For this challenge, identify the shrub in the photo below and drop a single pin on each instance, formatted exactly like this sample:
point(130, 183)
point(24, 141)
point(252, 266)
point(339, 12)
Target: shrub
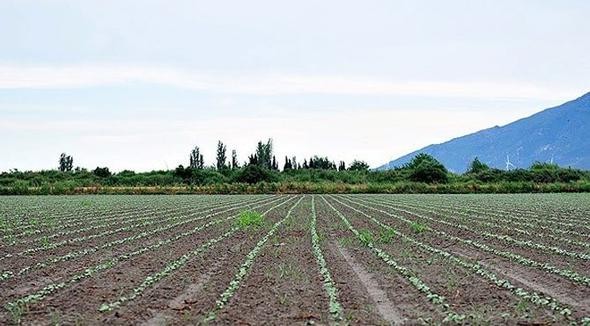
point(254, 174)
point(102, 172)
point(429, 172)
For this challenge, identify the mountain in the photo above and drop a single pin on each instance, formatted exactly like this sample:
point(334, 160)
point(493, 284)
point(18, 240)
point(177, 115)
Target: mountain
point(560, 134)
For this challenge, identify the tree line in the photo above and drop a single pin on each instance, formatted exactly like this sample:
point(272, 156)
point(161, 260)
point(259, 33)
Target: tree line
point(262, 165)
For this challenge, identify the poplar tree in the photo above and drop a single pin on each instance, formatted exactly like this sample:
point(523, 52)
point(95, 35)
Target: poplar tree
point(221, 156)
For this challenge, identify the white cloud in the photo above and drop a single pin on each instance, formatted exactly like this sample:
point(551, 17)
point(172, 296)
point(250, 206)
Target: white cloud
point(77, 76)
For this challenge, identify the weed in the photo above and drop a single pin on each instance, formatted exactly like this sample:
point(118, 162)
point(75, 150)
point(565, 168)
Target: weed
point(44, 241)
point(289, 270)
point(186, 316)
point(16, 312)
point(365, 236)
point(418, 227)
point(249, 219)
point(284, 300)
point(346, 241)
point(387, 235)
point(55, 318)
point(522, 306)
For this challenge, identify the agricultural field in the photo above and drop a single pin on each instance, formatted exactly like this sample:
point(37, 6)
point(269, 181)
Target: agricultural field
point(295, 259)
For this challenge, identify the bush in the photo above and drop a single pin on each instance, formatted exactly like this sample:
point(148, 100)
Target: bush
point(429, 172)
point(477, 166)
point(425, 168)
point(359, 166)
point(254, 174)
point(102, 172)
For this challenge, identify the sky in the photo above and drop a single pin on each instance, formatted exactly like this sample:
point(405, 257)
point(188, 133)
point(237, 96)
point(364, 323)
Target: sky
point(137, 84)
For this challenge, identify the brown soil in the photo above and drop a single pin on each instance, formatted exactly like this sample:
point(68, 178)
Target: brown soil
point(284, 285)
point(529, 278)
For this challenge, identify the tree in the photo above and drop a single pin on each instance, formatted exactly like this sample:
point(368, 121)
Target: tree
point(66, 162)
point(196, 159)
point(102, 172)
point(234, 160)
point(221, 156)
point(184, 173)
point(264, 154)
point(274, 164)
point(341, 166)
point(288, 164)
point(254, 174)
point(359, 166)
point(253, 159)
point(321, 163)
point(425, 168)
point(477, 166)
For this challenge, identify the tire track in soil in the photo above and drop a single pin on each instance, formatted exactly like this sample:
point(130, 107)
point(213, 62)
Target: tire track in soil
point(39, 278)
point(565, 262)
point(234, 248)
point(384, 306)
point(284, 285)
point(465, 291)
point(529, 279)
point(183, 301)
point(408, 302)
point(493, 297)
point(570, 291)
point(81, 302)
point(98, 237)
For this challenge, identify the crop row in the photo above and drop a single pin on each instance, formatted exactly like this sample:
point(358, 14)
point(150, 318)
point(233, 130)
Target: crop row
point(531, 296)
point(502, 223)
point(113, 216)
point(110, 222)
point(548, 213)
point(18, 304)
point(524, 261)
point(505, 238)
point(145, 234)
point(416, 282)
point(138, 223)
point(329, 286)
point(46, 216)
point(246, 266)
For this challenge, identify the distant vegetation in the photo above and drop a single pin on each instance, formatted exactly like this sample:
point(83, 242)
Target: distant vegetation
point(317, 174)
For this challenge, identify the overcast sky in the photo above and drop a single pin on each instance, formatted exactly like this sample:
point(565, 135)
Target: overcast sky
point(137, 84)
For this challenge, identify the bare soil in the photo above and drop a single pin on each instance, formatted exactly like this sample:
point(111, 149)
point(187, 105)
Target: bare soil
point(284, 285)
